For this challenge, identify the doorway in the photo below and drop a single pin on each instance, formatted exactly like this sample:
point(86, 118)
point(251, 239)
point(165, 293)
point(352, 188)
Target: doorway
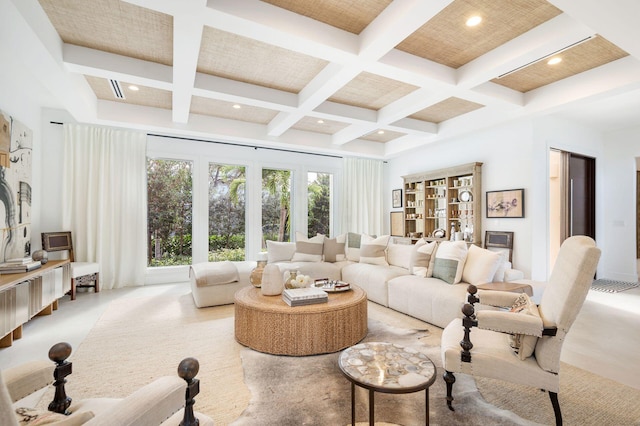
point(572, 198)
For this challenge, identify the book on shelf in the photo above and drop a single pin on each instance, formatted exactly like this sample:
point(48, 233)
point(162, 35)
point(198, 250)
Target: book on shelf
point(19, 260)
point(15, 268)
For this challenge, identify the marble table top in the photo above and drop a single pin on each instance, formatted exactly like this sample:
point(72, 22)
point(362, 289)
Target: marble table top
point(387, 367)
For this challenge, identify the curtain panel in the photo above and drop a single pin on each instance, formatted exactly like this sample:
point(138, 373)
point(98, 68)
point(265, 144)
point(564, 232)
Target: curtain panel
point(105, 201)
point(362, 206)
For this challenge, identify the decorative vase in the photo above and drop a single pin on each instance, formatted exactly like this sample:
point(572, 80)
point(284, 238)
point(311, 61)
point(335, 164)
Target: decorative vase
point(271, 280)
point(256, 275)
point(291, 281)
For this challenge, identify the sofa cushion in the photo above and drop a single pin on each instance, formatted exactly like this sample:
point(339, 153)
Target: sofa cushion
point(399, 254)
point(316, 270)
point(334, 249)
point(480, 265)
point(214, 273)
point(308, 249)
point(422, 256)
point(449, 263)
point(278, 251)
point(373, 250)
point(372, 278)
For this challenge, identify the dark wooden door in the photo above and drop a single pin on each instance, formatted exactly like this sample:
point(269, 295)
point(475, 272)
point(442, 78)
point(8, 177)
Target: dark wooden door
point(582, 195)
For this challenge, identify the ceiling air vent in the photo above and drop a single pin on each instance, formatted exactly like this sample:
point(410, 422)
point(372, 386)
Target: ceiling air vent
point(116, 89)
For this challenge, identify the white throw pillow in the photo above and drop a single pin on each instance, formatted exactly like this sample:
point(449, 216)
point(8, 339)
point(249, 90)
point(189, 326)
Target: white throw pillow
point(308, 249)
point(503, 265)
point(480, 266)
point(373, 250)
point(399, 254)
point(421, 257)
point(353, 246)
point(449, 262)
point(280, 251)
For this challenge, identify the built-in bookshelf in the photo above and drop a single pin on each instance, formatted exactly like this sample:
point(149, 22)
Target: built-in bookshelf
point(439, 201)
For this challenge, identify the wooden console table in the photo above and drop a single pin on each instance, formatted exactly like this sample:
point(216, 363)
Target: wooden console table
point(23, 296)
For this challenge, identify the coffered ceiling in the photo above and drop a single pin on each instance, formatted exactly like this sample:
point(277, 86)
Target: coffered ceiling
point(367, 77)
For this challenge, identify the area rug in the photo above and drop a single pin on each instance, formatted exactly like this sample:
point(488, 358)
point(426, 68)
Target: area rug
point(612, 286)
point(138, 340)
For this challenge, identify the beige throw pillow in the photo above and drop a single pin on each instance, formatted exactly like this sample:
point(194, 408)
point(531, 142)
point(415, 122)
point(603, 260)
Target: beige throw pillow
point(372, 250)
point(308, 249)
point(399, 254)
point(480, 266)
point(522, 344)
point(449, 263)
point(421, 257)
point(334, 249)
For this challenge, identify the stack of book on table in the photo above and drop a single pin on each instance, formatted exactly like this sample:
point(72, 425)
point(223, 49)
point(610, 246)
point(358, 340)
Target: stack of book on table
point(20, 265)
point(304, 296)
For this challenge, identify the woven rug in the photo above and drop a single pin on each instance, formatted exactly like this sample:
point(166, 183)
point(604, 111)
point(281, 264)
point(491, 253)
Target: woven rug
point(612, 286)
point(139, 339)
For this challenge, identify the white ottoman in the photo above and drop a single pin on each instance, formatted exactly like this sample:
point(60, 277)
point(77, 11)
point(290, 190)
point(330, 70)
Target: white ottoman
point(215, 283)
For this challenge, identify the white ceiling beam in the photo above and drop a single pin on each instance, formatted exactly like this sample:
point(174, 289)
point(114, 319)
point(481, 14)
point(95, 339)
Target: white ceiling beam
point(96, 63)
point(413, 126)
point(187, 37)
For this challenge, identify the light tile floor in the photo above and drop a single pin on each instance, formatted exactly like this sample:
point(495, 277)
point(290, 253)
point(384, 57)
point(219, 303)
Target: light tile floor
point(604, 338)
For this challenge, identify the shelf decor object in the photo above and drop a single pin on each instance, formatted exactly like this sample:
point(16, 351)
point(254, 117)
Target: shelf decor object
point(505, 204)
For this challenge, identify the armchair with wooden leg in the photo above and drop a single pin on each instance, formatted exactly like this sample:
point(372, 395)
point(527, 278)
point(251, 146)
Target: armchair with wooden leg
point(166, 401)
point(83, 274)
point(523, 343)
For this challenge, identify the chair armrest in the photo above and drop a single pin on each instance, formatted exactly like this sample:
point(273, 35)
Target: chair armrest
point(509, 322)
point(501, 299)
point(151, 404)
point(25, 379)
point(513, 275)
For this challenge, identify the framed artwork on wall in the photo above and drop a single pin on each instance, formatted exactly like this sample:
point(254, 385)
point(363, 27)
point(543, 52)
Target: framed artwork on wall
point(397, 224)
point(505, 204)
point(396, 197)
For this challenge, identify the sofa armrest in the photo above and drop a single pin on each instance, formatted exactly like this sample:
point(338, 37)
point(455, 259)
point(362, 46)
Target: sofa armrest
point(151, 404)
point(509, 322)
point(513, 275)
point(27, 378)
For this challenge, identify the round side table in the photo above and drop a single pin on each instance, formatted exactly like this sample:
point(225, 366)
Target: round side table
point(387, 368)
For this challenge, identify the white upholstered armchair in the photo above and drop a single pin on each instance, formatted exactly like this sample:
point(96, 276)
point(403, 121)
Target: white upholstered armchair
point(167, 401)
point(522, 344)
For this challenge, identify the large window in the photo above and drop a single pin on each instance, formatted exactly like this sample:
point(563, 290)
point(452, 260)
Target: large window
point(226, 212)
point(276, 205)
point(169, 203)
point(319, 187)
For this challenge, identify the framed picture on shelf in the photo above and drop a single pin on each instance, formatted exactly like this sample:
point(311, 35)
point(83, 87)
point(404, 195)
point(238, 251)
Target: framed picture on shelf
point(397, 224)
point(396, 197)
point(505, 204)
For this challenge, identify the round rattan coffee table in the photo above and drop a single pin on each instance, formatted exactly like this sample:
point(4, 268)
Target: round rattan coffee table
point(268, 324)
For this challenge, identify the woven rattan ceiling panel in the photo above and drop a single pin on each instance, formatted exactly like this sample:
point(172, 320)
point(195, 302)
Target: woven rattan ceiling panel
point(348, 15)
point(242, 59)
point(145, 96)
point(382, 137)
point(371, 91)
point(585, 56)
point(311, 124)
point(447, 39)
point(113, 26)
point(223, 109)
point(449, 108)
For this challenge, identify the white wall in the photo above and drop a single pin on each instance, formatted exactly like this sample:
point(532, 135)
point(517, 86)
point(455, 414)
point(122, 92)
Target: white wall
point(506, 153)
point(619, 224)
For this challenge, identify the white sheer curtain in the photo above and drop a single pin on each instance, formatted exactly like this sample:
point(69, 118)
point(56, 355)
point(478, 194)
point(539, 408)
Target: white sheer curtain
point(105, 201)
point(362, 206)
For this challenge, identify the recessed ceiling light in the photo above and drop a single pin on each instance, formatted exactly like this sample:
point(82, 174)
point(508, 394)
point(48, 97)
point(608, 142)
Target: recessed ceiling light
point(320, 121)
point(555, 60)
point(381, 132)
point(473, 21)
point(133, 88)
point(236, 106)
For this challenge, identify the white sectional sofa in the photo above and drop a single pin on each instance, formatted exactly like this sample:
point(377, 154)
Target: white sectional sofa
point(427, 280)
